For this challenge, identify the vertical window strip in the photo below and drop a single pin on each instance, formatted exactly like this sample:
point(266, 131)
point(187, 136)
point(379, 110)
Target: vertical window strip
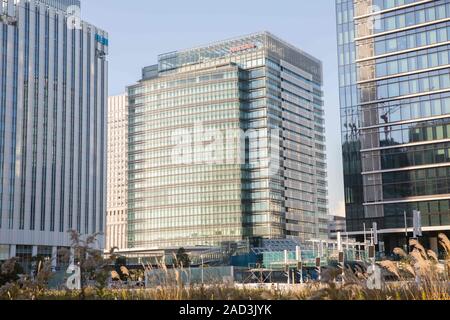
point(37, 48)
point(80, 132)
point(88, 133)
point(63, 145)
point(3, 113)
point(55, 123)
point(12, 177)
point(45, 138)
point(103, 148)
point(72, 126)
point(94, 168)
point(24, 123)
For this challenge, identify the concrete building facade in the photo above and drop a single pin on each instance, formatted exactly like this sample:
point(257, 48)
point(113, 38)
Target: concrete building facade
point(117, 177)
point(53, 104)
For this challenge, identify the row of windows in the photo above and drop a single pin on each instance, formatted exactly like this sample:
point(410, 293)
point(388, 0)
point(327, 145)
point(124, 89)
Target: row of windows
point(407, 109)
point(408, 133)
point(168, 133)
point(195, 236)
point(411, 39)
point(416, 183)
point(159, 213)
point(188, 100)
point(181, 170)
point(155, 86)
point(187, 91)
point(414, 61)
point(182, 190)
point(426, 208)
point(388, 4)
point(188, 222)
point(416, 188)
point(154, 123)
point(417, 156)
point(192, 199)
point(437, 80)
point(139, 204)
point(259, 173)
point(188, 141)
point(190, 195)
point(184, 179)
point(412, 16)
point(226, 152)
point(428, 220)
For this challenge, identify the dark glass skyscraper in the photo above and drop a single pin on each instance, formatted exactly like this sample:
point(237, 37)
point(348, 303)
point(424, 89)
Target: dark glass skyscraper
point(394, 77)
point(226, 142)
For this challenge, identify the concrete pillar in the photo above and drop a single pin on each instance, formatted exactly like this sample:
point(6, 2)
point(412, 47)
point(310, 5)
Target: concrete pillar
point(12, 251)
point(54, 257)
point(34, 251)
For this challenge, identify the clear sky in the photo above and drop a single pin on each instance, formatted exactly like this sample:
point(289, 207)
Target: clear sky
point(139, 30)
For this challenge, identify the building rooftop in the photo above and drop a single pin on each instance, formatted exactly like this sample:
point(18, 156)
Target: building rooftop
point(244, 38)
point(62, 4)
point(276, 47)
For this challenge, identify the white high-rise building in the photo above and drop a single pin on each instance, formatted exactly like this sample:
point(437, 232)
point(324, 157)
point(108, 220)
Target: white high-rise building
point(116, 216)
point(53, 95)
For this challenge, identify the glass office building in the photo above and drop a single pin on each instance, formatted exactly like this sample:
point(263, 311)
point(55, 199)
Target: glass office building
point(226, 142)
point(53, 95)
point(394, 79)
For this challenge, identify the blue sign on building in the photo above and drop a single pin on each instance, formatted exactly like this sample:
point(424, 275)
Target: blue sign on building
point(101, 39)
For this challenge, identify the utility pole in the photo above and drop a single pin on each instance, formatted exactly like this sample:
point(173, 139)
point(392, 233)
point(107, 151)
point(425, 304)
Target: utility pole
point(365, 239)
point(287, 266)
point(201, 256)
point(298, 254)
point(406, 234)
point(319, 268)
point(365, 236)
point(341, 255)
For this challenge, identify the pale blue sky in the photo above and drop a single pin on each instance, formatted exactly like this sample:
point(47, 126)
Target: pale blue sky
point(139, 30)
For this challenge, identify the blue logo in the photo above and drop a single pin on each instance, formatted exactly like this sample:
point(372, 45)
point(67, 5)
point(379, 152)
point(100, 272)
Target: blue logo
point(102, 40)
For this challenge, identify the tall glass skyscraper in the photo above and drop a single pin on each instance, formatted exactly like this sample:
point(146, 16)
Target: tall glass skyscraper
point(227, 142)
point(394, 80)
point(53, 96)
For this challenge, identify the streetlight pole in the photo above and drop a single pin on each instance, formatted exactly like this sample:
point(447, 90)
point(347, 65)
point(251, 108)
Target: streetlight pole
point(298, 254)
point(406, 233)
point(287, 266)
point(365, 239)
point(201, 256)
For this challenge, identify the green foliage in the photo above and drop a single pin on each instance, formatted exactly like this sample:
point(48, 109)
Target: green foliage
point(421, 277)
point(182, 259)
point(10, 271)
point(93, 266)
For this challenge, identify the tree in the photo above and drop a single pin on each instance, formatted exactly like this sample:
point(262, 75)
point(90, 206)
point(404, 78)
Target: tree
point(119, 265)
point(93, 266)
point(182, 259)
point(10, 271)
